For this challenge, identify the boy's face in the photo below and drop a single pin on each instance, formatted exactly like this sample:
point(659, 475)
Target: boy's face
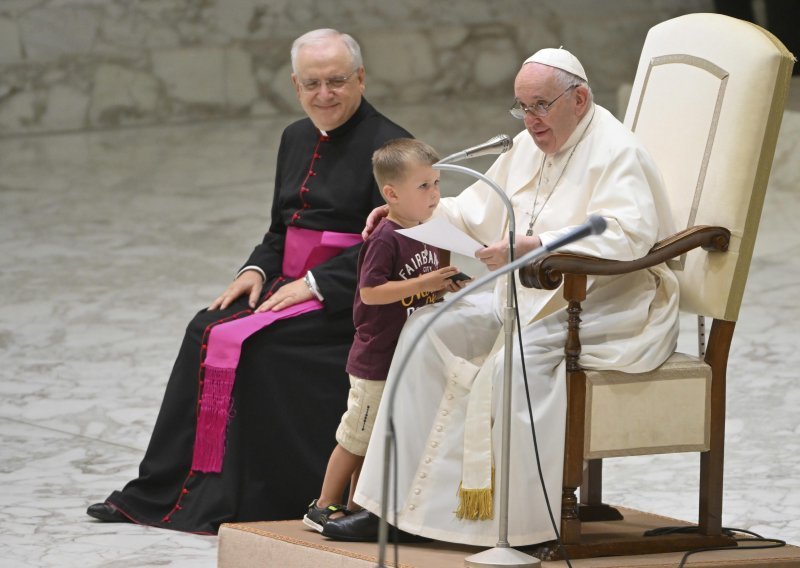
point(413, 199)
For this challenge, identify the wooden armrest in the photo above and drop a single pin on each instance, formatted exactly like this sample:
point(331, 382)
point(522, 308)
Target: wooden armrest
point(547, 272)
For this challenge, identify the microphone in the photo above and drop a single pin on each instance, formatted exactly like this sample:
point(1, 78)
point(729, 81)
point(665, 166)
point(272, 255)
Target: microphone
point(594, 225)
point(496, 145)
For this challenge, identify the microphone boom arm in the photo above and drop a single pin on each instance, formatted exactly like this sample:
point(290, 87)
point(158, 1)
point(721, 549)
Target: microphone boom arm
point(512, 225)
point(503, 549)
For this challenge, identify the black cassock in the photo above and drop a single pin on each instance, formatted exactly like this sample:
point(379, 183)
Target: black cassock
point(291, 386)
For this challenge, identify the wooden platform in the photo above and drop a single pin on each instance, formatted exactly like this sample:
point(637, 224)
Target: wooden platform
point(290, 544)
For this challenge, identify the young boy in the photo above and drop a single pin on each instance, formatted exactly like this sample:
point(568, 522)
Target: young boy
point(396, 276)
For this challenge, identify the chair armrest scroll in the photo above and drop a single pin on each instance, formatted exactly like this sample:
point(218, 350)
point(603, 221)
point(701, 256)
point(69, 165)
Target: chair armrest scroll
point(547, 271)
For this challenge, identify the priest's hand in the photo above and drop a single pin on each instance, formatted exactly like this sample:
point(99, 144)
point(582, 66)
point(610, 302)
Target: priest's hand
point(287, 295)
point(373, 219)
point(496, 255)
point(249, 282)
point(526, 244)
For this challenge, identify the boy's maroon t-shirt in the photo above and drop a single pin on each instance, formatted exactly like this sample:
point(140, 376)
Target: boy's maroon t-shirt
point(386, 255)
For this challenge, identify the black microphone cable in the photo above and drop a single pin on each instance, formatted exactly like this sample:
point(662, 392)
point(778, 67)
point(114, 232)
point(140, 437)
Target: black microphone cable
point(553, 523)
point(727, 531)
point(775, 543)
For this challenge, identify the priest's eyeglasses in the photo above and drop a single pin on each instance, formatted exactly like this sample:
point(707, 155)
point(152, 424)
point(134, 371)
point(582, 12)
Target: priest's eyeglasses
point(332, 83)
point(519, 110)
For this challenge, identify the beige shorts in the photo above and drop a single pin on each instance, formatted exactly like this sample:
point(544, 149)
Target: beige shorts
point(357, 421)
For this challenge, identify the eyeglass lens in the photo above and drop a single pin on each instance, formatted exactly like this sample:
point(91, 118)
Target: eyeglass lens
point(332, 83)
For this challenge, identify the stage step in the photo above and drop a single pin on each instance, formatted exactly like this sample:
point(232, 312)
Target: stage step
point(290, 544)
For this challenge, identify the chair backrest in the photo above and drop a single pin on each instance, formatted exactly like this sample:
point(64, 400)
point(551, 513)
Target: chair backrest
point(707, 103)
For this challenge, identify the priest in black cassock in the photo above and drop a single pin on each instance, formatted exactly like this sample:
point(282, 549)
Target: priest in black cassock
point(248, 418)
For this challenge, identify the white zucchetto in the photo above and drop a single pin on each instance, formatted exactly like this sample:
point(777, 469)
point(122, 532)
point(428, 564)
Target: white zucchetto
point(560, 59)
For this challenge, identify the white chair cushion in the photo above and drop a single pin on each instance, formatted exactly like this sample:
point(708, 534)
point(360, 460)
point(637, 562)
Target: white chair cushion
point(664, 411)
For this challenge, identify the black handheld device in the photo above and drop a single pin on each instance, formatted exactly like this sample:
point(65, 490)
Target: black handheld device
point(460, 276)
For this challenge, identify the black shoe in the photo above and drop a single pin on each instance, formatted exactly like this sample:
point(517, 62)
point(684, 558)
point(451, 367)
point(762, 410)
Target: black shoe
point(318, 516)
point(363, 527)
point(107, 513)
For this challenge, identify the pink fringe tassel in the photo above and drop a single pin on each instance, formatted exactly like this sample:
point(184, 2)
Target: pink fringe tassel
point(212, 420)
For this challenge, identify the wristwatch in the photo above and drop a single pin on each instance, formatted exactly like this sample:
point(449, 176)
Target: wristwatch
point(312, 286)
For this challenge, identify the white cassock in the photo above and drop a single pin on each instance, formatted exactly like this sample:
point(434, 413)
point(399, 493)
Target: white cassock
point(629, 323)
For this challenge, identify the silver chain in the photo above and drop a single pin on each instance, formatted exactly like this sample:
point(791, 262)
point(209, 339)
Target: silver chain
point(534, 214)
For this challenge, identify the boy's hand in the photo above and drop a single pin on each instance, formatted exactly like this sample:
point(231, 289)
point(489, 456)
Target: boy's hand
point(439, 280)
point(457, 282)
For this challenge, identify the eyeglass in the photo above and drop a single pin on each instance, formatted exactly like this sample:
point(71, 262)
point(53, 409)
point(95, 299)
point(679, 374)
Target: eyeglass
point(332, 83)
point(539, 109)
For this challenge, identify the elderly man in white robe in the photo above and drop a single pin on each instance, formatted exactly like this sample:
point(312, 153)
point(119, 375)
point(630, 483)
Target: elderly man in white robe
point(574, 159)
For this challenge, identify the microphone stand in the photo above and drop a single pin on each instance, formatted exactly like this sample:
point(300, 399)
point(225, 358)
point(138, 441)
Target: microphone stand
point(502, 555)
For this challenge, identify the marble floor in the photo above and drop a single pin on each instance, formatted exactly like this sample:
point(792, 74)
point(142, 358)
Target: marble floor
point(109, 241)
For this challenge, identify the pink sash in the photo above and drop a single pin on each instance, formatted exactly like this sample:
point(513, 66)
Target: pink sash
point(304, 250)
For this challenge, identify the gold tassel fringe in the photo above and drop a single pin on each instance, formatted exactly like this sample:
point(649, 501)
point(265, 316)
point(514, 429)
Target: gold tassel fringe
point(476, 504)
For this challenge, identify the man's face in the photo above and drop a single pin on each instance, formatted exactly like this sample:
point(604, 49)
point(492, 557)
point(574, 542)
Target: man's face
point(328, 106)
point(536, 83)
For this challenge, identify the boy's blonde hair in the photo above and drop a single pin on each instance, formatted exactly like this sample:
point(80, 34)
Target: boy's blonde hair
point(390, 162)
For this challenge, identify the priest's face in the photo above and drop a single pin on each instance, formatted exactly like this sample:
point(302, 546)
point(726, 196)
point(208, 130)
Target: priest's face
point(537, 83)
point(328, 86)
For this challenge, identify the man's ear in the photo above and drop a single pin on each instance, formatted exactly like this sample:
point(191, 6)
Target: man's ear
point(296, 84)
point(581, 98)
point(360, 74)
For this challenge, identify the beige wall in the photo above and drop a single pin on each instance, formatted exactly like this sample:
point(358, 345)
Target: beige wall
point(84, 64)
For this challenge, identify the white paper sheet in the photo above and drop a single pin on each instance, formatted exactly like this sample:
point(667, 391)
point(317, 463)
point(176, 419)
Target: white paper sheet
point(440, 233)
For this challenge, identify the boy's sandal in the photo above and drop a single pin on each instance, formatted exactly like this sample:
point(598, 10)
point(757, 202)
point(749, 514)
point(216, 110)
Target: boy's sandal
point(316, 517)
